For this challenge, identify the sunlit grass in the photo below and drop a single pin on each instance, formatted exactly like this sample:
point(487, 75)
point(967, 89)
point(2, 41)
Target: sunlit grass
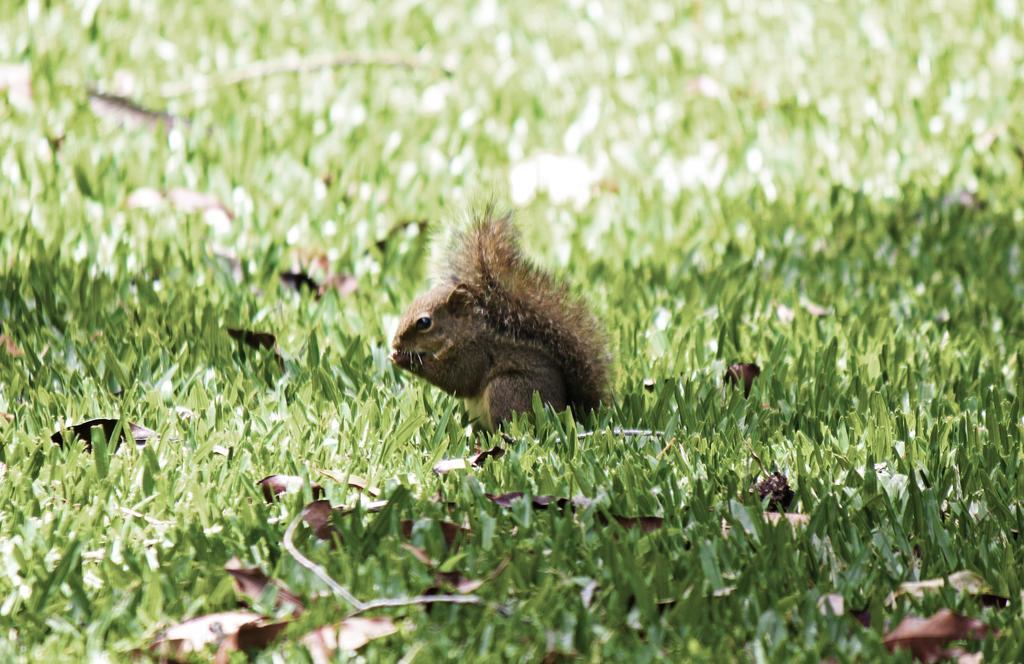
point(712, 178)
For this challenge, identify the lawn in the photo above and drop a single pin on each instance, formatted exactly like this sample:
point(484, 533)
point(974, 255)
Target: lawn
point(830, 191)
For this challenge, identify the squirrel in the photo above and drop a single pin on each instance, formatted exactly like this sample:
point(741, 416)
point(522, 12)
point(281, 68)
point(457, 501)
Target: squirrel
point(496, 329)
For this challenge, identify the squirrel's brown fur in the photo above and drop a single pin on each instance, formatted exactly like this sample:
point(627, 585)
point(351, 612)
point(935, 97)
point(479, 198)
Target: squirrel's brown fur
point(523, 302)
point(500, 328)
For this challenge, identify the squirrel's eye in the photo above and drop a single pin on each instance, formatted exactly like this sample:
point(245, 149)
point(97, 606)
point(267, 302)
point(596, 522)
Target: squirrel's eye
point(423, 323)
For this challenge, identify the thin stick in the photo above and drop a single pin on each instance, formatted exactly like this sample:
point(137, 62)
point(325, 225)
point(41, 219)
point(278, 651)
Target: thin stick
point(357, 605)
point(628, 433)
point(288, 65)
point(319, 571)
point(420, 599)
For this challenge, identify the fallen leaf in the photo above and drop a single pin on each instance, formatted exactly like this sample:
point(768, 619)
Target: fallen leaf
point(192, 636)
point(252, 582)
point(349, 634)
point(248, 638)
point(12, 348)
point(16, 81)
point(455, 580)
point(450, 531)
point(317, 516)
point(745, 373)
point(7, 417)
point(274, 485)
point(259, 341)
point(130, 114)
point(299, 280)
point(964, 581)
point(353, 481)
point(311, 270)
point(344, 284)
point(645, 523)
point(538, 502)
point(403, 228)
point(253, 339)
point(926, 638)
point(419, 554)
point(446, 466)
point(508, 499)
point(83, 432)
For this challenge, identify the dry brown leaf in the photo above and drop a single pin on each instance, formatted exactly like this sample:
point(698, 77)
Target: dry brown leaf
point(252, 582)
point(344, 284)
point(7, 417)
point(274, 485)
point(260, 340)
point(645, 523)
point(403, 228)
point(349, 634)
point(317, 516)
point(742, 373)
point(446, 466)
point(7, 343)
point(457, 581)
point(128, 113)
point(420, 554)
point(451, 531)
point(83, 432)
point(926, 638)
point(255, 636)
point(964, 581)
point(193, 636)
point(353, 481)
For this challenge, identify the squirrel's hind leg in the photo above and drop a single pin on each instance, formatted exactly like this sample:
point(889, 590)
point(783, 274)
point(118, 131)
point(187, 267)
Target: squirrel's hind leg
point(513, 393)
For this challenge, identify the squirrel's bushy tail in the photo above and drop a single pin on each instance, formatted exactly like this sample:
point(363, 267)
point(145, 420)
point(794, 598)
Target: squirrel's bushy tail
point(526, 303)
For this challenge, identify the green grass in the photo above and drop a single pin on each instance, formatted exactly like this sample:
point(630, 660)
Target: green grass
point(825, 166)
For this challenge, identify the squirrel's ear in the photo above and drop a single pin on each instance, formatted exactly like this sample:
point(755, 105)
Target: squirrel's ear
point(460, 300)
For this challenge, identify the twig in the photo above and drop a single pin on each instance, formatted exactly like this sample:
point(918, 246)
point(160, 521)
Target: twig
point(628, 433)
point(288, 65)
point(419, 599)
point(319, 571)
point(359, 606)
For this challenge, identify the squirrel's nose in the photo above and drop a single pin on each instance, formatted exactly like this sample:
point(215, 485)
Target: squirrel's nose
point(400, 359)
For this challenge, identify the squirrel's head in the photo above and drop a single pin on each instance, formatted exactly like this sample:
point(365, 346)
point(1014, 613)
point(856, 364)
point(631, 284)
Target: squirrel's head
point(434, 323)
